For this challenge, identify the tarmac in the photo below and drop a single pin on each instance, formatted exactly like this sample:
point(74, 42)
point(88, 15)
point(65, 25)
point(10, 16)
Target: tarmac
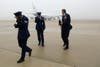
point(83, 52)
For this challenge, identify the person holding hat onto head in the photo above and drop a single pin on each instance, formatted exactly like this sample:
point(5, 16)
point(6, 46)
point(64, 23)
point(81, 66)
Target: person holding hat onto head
point(65, 28)
point(40, 27)
point(23, 34)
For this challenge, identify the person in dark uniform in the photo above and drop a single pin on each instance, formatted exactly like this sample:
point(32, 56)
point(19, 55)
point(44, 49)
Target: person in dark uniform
point(23, 34)
point(65, 28)
point(40, 27)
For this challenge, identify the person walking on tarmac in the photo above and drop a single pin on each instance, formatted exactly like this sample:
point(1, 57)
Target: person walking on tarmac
point(23, 34)
point(65, 28)
point(40, 27)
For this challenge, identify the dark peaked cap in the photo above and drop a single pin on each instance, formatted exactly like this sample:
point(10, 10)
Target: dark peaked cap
point(18, 13)
point(38, 13)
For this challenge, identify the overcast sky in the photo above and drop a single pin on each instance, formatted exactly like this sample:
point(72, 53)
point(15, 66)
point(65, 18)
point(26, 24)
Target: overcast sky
point(78, 9)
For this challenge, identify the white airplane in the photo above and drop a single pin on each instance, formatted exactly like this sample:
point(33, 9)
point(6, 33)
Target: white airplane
point(34, 11)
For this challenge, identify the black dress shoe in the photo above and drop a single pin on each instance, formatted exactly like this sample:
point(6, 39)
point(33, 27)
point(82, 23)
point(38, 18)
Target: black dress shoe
point(20, 61)
point(66, 48)
point(30, 53)
point(42, 45)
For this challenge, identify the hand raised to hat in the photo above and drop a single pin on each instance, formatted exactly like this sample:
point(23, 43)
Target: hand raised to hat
point(60, 22)
point(15, 25)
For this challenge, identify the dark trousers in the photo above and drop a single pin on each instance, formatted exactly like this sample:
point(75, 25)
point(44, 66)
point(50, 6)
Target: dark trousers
point(40, 35)
point(23, 44)
point(65, 35)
